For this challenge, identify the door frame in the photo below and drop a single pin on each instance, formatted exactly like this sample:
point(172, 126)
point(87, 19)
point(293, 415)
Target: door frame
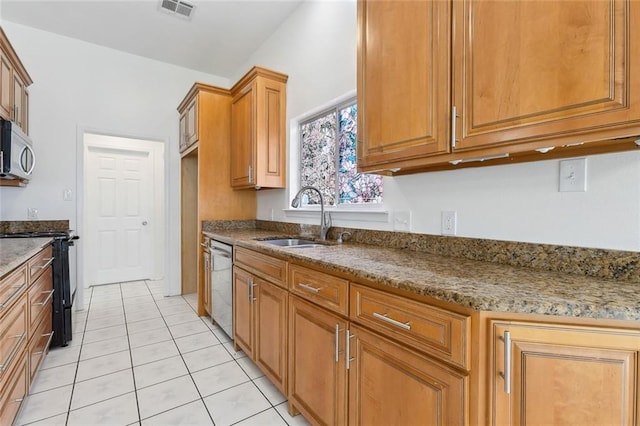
point(116, 140)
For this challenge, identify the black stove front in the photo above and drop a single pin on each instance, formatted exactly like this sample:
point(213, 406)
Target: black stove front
point(62, 296)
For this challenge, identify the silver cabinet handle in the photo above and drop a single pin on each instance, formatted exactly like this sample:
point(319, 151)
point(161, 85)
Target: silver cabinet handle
point(250, 173)
point(249, 288)
point(204, 245)
point(48, 342)
point(384, 317)
point(507, 362)
point(253, 285)
point(348, 337)
point(453, 126)
point(48, 299)
point(309, 287)
point(49, 262)
point(337, 340)
point(16, 290)
point(16, 401)
point(3, 367)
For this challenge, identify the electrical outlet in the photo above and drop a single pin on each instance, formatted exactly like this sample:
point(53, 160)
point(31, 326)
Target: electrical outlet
point(449, 223)
point(32, 213)
point(67, 195)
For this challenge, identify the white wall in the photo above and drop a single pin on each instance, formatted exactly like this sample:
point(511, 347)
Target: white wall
point(316, 47)
point(81, 86)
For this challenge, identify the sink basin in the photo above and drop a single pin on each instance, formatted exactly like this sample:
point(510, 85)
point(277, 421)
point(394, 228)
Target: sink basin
point(292, 242)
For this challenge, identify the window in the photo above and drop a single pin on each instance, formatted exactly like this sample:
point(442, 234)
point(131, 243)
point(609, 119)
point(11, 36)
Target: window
point(328, 159)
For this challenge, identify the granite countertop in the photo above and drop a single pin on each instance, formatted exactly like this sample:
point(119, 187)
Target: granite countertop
point(478, 285)
point(16, 251)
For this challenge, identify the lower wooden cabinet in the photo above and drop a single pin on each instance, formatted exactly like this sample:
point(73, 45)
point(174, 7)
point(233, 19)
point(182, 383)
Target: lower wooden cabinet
point(25, 329)
point(317, 367)
point(13, 391)
point(551, 375)
point(270, 340)
point(260, 324)
point(389, 384)
point(40, 341)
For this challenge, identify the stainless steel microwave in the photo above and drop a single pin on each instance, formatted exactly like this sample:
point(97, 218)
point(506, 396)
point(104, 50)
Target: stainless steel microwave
point(17, 158)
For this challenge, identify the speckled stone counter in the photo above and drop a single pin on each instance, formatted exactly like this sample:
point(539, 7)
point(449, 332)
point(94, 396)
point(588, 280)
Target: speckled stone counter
point(474, 284)
point(15, 251)
point(12, 227)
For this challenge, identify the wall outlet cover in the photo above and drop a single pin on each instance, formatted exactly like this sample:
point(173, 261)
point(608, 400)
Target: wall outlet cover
point(449, 223)
point(32, 213)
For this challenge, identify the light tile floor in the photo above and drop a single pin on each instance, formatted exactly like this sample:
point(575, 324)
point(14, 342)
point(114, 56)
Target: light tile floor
point(139, 358)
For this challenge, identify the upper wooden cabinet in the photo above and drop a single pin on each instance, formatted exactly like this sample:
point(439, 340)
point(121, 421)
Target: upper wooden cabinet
point(542, 70)
point(563, 375)
point(258, 134)
point(189, 131)
point(14, 80)
point(524, 77)
point(403, 80)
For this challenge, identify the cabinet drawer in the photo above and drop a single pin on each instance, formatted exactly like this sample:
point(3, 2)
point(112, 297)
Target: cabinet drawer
point(13, 392)
point(318, 287)
point(11, 287)
point(40, 295)
point(13, 335)
point(38, 263)
point(39, 343)
point(275, 270)
point(432, 330)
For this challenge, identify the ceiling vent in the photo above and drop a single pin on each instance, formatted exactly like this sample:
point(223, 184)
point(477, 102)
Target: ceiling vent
point(177, 8)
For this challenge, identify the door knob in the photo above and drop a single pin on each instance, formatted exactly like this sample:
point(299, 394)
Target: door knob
point(144, 223)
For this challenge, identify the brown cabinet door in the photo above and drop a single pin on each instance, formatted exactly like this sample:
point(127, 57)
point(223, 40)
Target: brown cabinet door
point(242, 134)
point(564, 375)
point(270, 349)
point(403, 80)
point(242, 310)
point(392, 385)
point(317, 368)
point(18, 101)
point(270, 136)
point(183, 132)
point(192, 122)
point(6, 89)
point(536, 70)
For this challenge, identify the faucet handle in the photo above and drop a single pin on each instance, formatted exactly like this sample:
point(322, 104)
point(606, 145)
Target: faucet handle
point(341, 236)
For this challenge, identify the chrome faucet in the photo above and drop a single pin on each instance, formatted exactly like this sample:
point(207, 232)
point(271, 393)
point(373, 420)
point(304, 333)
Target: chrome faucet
point(325, 221)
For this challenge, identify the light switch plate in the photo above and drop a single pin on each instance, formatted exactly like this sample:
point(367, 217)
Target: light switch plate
point(402, 221)
point(573, 175)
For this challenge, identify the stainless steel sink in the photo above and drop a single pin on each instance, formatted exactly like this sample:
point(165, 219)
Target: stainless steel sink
point(292, 242)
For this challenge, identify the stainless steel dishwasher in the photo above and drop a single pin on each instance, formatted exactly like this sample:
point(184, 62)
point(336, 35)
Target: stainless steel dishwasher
point(221, 285)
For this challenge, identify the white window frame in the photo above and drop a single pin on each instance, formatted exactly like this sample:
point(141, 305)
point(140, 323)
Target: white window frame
point(365, 212)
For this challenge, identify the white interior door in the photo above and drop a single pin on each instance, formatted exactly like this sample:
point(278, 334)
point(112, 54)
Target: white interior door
point(119, 206)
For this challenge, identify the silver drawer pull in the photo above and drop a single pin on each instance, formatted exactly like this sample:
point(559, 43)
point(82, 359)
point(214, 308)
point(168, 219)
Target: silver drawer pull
point(16, 290)
point(47, 345)
point(309, 287)
point(204, 245)
point(47, 300)
point(384, 317)
point(3, 367)
point(17, 401)
point(49, 262)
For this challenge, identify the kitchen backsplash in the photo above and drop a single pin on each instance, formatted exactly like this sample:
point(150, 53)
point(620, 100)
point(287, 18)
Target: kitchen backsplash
point(601, 263)
point(14, 226)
